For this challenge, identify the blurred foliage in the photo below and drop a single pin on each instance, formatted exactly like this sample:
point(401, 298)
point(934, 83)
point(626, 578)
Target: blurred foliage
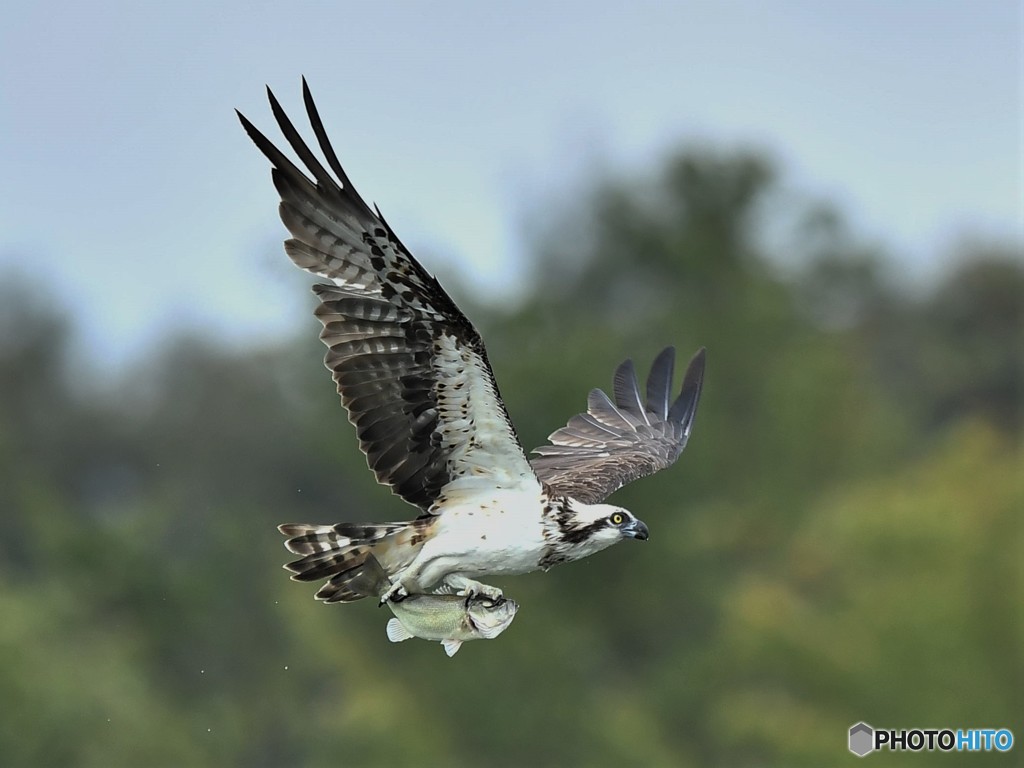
point(841, 541)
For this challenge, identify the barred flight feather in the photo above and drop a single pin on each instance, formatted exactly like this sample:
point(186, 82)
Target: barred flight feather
point(614, 443)
point(410, 368)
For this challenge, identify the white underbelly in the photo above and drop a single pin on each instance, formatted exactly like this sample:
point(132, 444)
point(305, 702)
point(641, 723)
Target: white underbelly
point(481, 539)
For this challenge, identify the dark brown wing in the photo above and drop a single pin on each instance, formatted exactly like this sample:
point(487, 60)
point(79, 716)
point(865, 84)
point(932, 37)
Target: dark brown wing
point(614, 443)
point(411, 369)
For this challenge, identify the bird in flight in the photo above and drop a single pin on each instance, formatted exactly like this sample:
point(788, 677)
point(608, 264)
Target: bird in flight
point(414, 377)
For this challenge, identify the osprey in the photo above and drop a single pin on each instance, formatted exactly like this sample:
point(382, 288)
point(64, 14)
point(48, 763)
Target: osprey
point(414, 378)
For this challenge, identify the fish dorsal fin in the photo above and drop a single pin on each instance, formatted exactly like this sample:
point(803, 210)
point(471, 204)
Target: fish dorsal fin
point(397, 631)
point(444, 589)
point(451, 647)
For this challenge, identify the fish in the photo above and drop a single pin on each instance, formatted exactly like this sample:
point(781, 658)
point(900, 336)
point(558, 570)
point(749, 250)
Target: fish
point(448, 618)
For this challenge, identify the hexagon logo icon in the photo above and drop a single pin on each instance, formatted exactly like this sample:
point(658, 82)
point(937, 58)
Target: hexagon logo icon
point(862, 739)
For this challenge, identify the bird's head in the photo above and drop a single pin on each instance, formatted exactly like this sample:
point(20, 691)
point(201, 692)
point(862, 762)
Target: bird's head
point(597, 526)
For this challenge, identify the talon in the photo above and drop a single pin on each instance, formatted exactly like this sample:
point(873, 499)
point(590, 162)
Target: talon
point(469, 589)
point(395, 594)
point(491, 593)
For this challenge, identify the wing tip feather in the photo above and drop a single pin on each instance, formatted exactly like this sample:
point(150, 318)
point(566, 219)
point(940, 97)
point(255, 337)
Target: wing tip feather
point(684, 409)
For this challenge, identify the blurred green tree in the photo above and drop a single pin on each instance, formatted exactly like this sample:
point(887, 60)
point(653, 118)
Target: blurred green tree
point(841, 539)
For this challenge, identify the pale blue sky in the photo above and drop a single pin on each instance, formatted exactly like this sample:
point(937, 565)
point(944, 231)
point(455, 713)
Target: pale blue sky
point(130, 188)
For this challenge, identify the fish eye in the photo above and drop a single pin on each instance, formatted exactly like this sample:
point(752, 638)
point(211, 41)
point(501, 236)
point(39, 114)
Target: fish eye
point(617, 518)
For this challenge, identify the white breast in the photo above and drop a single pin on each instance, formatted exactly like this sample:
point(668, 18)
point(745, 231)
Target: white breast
point(499, 532)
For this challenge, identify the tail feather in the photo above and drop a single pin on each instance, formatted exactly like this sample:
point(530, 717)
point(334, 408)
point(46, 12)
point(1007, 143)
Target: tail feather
point(365, 578)
point(349, 555)
point(306, 539)
point(323, 565)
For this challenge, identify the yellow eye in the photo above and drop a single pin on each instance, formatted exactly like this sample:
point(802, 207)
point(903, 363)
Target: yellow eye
point(618, 518)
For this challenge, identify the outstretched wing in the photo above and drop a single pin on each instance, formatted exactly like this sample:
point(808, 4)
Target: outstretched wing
point(614, 443)
point(410, 367)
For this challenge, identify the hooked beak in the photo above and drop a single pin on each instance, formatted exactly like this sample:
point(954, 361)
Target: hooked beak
point(637, 530)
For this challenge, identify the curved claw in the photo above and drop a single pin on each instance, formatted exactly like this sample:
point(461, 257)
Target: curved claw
point(470, 588)
point(396, 593)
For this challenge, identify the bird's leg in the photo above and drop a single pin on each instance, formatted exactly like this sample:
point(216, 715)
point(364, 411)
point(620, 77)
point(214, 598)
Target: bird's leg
point(395, 593)
point(471, 588)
